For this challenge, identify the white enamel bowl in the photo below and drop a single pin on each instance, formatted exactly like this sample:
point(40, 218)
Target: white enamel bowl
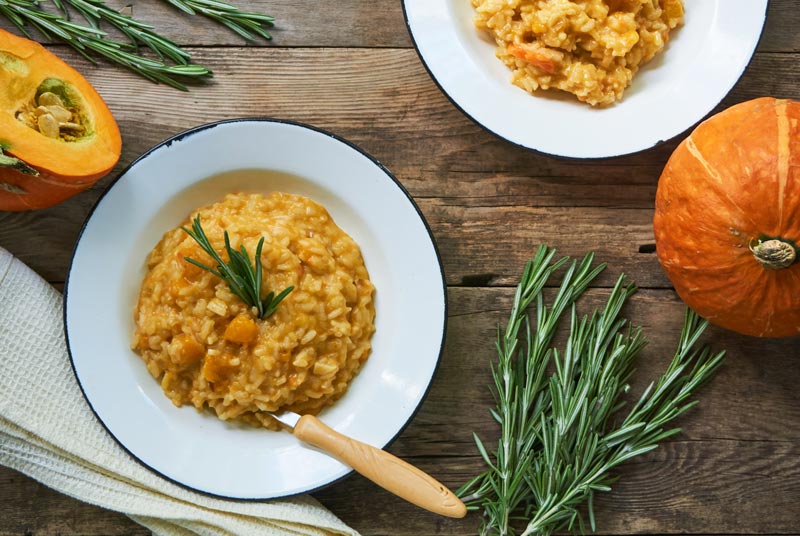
point(155, 194)
point(699, 66)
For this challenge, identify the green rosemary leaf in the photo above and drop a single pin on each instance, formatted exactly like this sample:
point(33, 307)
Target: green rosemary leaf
point(260, 269)
point(182, 6)
point(203, 266)
point(482, 450)
point(271, 305)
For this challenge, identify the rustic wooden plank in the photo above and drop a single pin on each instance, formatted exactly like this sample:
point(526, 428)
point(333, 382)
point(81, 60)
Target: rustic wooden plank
point(756, 385)
point(735, 468)
point(778, 35)
point(28, 508)
point(489, 202)
point(364, 23)
point(737, 459)
point(682, 488)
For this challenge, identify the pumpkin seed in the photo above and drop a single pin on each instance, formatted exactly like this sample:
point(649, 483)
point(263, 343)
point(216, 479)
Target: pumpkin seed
point(49, 126)
point(71, 126)
point(52, 113)
point(50, 99)
point(60, 113)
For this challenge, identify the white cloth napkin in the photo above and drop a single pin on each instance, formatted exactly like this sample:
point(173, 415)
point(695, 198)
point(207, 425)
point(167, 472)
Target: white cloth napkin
point(48, 432)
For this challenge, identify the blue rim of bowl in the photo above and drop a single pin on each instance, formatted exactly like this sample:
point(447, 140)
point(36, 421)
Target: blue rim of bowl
point(208, 126)
point(580, 158)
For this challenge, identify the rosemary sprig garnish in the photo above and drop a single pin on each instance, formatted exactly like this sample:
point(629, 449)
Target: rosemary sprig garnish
point(562, 436)
point(242, 278)
point(90, 41)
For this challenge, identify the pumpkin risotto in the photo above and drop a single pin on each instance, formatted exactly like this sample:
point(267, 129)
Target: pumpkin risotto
point(591, 48)
point(208, 348)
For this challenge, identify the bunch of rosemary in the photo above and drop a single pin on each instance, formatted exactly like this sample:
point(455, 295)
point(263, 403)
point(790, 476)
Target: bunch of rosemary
point(171, 62)
point(561, 436)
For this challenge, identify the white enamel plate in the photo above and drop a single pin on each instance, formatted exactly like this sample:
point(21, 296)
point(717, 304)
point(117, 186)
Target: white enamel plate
point(699, 66)
point(155, 194)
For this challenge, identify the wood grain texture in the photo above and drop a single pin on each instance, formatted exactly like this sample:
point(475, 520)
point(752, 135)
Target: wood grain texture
point(349, 68)
point(489, 203)
point(735, 460)
point(354, 23)
point(360, 24)
point(382, 468)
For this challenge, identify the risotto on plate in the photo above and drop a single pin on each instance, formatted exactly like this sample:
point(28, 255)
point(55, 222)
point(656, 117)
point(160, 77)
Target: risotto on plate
point(590, 48)
point(207, 348)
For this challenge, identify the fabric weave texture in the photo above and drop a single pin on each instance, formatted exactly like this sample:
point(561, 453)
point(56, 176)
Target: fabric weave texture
point(48, 432)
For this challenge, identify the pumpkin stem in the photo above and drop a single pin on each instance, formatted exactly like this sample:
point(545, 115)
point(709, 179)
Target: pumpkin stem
point(774, 254)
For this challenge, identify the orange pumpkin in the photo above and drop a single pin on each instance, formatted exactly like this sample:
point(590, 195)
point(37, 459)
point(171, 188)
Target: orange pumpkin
point(727, 221)
point(57, 136)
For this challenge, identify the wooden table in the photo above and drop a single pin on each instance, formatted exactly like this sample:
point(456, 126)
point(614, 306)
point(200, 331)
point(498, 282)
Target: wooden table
point(349, 67)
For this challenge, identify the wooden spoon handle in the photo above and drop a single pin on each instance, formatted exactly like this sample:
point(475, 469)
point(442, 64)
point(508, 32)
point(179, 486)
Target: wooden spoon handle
point(386, 470)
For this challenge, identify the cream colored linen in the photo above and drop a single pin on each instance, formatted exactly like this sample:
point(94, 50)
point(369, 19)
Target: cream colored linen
point(48, 432)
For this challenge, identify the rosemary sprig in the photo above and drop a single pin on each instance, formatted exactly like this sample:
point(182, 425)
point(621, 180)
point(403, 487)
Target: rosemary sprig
point(242, 278)
point(247, 24)
point(139, 33)
point(562, 436)
point(89, 40)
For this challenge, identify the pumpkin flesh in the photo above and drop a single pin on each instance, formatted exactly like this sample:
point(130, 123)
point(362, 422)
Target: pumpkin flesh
point(66, 164)
point(733, 183)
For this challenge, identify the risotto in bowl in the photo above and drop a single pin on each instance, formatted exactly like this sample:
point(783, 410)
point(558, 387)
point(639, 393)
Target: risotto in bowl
point(208, 348)
point(585, 78)
point(183, 373)
point(590, 48)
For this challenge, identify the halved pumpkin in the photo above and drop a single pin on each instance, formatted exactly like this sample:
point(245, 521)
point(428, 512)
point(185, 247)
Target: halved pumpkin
point(57, 136)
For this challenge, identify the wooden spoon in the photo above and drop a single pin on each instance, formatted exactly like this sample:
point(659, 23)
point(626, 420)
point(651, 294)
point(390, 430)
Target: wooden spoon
point(388, 471)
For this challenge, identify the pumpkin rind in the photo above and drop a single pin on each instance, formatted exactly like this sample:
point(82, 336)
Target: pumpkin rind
point(65, 168)
point(734, 182)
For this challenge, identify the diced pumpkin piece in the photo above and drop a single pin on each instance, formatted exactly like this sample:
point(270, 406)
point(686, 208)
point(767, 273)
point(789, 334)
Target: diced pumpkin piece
point(242, 330)
point(219, 367)
point(185, 350)
point(673, 9)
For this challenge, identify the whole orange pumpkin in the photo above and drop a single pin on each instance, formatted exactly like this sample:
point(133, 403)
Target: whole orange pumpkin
point(727, 221)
